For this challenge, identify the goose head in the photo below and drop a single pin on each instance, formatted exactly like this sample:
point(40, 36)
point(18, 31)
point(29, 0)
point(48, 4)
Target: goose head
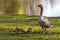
point(40, 5)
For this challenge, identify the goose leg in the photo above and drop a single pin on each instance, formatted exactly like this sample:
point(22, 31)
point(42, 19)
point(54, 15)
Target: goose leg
point(43, 30)
point(47, 30)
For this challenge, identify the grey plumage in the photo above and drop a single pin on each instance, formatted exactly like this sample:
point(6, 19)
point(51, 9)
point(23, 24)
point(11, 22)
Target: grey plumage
point(43, 21)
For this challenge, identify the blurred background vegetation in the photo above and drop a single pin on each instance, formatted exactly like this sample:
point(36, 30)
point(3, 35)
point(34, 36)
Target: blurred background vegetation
point(20, 6)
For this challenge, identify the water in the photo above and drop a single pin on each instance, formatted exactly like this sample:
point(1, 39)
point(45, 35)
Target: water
point(56, 8)
point(49, 10)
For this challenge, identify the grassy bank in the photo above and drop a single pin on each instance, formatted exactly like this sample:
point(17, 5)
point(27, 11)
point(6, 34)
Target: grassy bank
point(8, 22)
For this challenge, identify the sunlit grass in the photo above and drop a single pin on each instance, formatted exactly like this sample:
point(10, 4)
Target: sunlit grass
point(8, 23)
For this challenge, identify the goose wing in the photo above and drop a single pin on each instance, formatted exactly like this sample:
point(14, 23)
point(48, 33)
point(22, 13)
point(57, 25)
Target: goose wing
point(47, 22)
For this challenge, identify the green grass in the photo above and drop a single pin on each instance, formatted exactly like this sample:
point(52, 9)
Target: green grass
point(8, 22)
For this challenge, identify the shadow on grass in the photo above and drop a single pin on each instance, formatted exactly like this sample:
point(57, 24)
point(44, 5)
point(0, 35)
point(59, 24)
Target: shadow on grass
point(57, 33)
point(32, 33)
point(23, 33)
